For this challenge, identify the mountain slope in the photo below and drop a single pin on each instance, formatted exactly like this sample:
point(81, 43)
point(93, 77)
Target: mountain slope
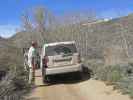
point(99, 35)
point(23, 39)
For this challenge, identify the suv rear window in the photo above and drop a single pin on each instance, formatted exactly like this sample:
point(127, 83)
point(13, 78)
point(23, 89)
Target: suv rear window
point(60, 49)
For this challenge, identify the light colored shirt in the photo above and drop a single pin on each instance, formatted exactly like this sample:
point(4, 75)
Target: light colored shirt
point(32, 53)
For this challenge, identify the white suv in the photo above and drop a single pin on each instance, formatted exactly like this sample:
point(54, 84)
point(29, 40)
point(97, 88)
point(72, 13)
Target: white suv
point(59, 58)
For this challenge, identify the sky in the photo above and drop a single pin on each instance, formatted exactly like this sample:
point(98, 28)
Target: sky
point(11, 10)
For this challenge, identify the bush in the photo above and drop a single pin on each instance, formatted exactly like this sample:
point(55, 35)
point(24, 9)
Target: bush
point(111, 73)
point(126, 85)
point(14, 83)
point(121, 76)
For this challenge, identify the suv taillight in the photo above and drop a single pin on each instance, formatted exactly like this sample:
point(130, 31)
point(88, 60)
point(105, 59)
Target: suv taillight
point(79, 58)
point(45, 61)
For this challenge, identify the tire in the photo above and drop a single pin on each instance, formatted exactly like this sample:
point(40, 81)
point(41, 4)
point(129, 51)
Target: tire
point(45, 78)
point(79, 75)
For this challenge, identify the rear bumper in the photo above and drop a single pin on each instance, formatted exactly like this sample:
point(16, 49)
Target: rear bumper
point(65, 69)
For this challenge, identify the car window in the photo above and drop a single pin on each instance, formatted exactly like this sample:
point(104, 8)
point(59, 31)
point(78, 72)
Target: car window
point(60, 49)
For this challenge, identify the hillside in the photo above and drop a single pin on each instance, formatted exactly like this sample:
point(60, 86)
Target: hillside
point(10, 55)
point(110, 33)
point(5, 43)
point(1, 38)
point(98, 35)
point(12, 75)
point(92, 39)
point(23, 39)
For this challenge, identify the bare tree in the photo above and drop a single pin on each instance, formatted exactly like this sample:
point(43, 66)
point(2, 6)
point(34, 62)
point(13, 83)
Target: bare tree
point(124, 40)
point(26, 22)
point(36, 20)
point(123, 31)
point(74, 29)
point(39, 16)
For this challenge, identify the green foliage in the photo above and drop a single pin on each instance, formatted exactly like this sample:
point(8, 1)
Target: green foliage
point(15, 80)
point(119, 75)
point(126, 85)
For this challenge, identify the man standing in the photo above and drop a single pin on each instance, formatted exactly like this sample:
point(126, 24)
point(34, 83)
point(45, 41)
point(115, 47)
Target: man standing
point(32, 58)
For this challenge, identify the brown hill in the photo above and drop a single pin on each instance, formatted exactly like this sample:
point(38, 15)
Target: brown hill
point(9, 55)
point(98, 35)
point(23, 39)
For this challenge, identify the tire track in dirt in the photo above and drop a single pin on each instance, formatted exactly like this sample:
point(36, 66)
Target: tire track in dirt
point(82, 90)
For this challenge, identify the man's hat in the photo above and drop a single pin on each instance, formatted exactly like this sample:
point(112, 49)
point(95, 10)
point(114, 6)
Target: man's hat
point(33, 42)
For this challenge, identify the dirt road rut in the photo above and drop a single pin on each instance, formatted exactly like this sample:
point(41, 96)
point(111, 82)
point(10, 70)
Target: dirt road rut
point(79, 90)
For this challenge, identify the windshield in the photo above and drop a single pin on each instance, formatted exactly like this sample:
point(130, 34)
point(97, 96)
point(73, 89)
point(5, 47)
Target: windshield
point(61, 49)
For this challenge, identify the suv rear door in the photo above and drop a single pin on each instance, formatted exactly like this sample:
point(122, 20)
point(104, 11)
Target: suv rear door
point(61, 55)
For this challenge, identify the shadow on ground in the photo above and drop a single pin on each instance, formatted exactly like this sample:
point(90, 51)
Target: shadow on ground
point(69, 78)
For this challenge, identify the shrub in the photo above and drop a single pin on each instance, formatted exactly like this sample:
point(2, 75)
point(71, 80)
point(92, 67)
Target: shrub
point(126, 85)
point(109, 73)
point(121, 76)
point(14, 83)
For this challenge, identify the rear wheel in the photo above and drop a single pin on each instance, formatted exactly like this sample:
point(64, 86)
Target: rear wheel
point(79, 75)
point(45, 78)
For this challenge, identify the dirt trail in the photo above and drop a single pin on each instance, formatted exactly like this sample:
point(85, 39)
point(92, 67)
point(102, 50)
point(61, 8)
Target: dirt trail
point(84, 90)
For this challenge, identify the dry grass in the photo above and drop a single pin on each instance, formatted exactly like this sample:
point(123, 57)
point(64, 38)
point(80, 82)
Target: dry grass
point(114, 55)
point(92, 41)
point(121, 76)
point(14, 80)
